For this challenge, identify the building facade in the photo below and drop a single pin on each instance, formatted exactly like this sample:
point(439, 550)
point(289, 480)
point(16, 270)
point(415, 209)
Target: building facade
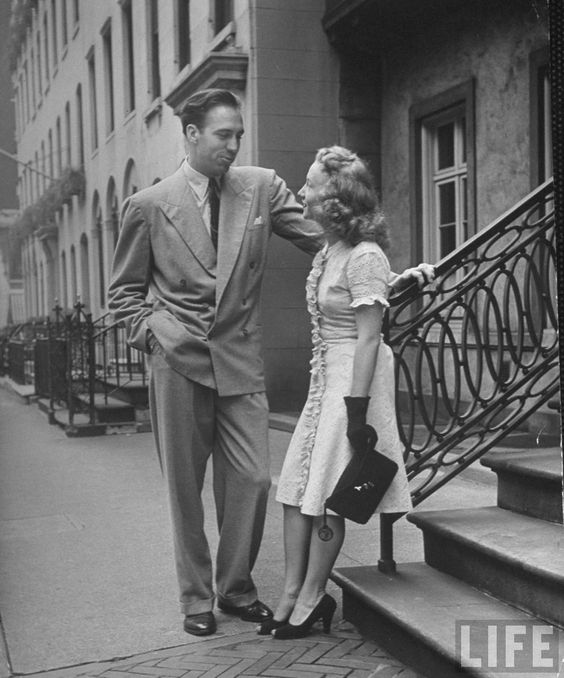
point(450, 103)
point(97, 86)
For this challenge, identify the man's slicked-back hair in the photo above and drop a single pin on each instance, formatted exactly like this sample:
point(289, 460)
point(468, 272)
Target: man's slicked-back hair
point(198, 104)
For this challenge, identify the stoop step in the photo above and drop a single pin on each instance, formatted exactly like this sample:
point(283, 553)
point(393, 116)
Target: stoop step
point(516, 558)
point(529, 481)
point(414, 614)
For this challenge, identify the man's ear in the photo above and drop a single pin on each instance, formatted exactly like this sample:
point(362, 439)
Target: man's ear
point(192, 133)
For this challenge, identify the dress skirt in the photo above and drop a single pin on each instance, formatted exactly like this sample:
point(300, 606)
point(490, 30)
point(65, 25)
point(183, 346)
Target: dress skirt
point(319, 450)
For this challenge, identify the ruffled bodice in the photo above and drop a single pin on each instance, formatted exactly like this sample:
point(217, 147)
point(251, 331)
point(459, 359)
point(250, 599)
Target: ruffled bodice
point(352, 276)
point(342, 278)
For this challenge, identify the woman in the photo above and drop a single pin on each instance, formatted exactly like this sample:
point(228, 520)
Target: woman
point(352, 382)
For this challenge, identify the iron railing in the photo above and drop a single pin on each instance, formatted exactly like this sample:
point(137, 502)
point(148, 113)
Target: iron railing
point(476, 353)
point(80, 363)
point(17, 350)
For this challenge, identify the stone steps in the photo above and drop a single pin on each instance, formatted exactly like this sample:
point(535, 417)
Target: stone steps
point(529, 482)
point(513, 557)
point(418, 613)
point(501, 563)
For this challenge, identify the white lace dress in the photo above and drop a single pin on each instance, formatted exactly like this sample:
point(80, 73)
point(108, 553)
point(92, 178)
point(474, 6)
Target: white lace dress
point(342, 277)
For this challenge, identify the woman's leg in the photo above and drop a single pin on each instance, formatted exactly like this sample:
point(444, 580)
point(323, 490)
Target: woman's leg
point(322, 557)
point(297, 536)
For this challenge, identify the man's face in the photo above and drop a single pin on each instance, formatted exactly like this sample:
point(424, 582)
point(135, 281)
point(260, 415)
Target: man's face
point(214, 146)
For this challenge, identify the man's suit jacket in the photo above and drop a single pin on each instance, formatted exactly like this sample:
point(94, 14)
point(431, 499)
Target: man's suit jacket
point(203, 309)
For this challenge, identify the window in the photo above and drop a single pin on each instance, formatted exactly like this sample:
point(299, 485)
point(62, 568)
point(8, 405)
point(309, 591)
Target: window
point(84, 270)
point(153, 44)
point(43, 167)
point(541, 111)
point(46, 48)
point(444, 183)
point(50, 154)
point(128, 61)
point(100, 252)
point(39, 66)
point(64, 23)
point(21, 103)
point(37, 175)
point(54, 30)
point(26, 87)
point(68, 155)
point(108, 77)
point(80, 125)
point(74, 280)
point(33, 82)
point(58, 139)
point(64, 280)
point(223, 14)
point(93, 104)
point(183, 33)
point(442, 147)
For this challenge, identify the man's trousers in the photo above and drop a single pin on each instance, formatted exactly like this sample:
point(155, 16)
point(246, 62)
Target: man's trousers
point(190, 423)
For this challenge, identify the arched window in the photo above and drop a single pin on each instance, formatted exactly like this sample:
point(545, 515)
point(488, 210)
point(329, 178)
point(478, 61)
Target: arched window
point(84, 271)
point(64, 282)
point(131, 180)
point(74, 282)
point(99, 231)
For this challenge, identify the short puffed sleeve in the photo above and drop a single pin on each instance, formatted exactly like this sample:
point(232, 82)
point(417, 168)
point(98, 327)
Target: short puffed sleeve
point(368, 274)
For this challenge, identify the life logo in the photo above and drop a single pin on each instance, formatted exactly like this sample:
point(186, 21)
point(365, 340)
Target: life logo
point(530, 648)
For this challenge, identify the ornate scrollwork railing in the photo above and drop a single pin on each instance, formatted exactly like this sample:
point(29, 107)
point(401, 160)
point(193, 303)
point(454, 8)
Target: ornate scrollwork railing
point(477, 351)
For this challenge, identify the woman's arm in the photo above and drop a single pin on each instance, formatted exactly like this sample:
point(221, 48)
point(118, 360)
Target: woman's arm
point(369, 326)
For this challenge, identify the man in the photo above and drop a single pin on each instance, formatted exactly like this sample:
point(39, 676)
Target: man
point(197, 242)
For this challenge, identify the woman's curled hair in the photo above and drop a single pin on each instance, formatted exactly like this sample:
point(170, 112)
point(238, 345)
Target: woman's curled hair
point(348, 205)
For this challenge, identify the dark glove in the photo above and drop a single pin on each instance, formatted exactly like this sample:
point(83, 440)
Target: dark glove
point(359, 433)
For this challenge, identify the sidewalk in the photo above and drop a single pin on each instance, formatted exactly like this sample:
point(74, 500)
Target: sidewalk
point(87, 585)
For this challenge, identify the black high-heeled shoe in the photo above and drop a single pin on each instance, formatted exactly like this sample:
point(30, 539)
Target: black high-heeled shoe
point(269, 625)
point(324, 610)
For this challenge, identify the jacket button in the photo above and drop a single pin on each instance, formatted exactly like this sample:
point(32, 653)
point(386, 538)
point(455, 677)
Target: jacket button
point(252, 264)
point(183, 283)
point(245, 332)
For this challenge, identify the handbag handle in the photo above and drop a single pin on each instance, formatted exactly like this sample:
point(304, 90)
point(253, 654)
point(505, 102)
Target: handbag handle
point(372, 437)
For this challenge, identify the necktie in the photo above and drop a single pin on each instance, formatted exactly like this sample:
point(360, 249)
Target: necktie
point(213, 197)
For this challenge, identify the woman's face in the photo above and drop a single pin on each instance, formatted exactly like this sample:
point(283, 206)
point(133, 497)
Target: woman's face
point(309, 192)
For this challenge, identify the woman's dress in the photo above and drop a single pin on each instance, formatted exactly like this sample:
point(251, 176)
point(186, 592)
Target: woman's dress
point(342, 278)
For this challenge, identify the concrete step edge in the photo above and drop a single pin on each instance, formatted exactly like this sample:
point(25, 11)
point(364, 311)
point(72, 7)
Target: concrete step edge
point(522, 463)
point(553, 570)
point(421, 613)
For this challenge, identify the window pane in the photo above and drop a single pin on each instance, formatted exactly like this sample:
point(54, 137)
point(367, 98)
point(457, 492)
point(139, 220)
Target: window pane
point(445, 142)
point(447, 204)
point(464, 198)
point(448, 239)
point(463, 138)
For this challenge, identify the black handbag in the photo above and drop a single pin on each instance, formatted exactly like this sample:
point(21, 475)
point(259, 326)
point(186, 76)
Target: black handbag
point(361, 486)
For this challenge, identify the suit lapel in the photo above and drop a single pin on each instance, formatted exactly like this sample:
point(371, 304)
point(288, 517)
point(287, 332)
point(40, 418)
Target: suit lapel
point(234, 212)
point(181, 210)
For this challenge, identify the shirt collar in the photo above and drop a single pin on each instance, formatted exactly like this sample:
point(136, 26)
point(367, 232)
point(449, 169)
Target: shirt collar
point(198, 181)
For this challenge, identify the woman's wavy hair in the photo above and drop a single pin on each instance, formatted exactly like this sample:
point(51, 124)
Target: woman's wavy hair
point(348, 205)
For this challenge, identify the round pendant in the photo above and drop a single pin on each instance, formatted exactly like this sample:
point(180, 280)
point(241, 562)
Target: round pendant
point(325, 533)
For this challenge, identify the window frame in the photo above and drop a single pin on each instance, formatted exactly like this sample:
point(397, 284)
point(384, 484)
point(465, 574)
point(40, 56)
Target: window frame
point(183, 49)
point(128, 57)
point(91, 67)
point(109, 100)
point(539, 115)
point(461, 97)
point(153, 45)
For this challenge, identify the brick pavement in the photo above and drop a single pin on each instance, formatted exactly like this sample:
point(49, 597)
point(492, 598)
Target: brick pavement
point(342, 653)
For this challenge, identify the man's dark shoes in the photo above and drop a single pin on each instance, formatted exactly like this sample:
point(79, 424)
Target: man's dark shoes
point(255, 612)
point(200, 624)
